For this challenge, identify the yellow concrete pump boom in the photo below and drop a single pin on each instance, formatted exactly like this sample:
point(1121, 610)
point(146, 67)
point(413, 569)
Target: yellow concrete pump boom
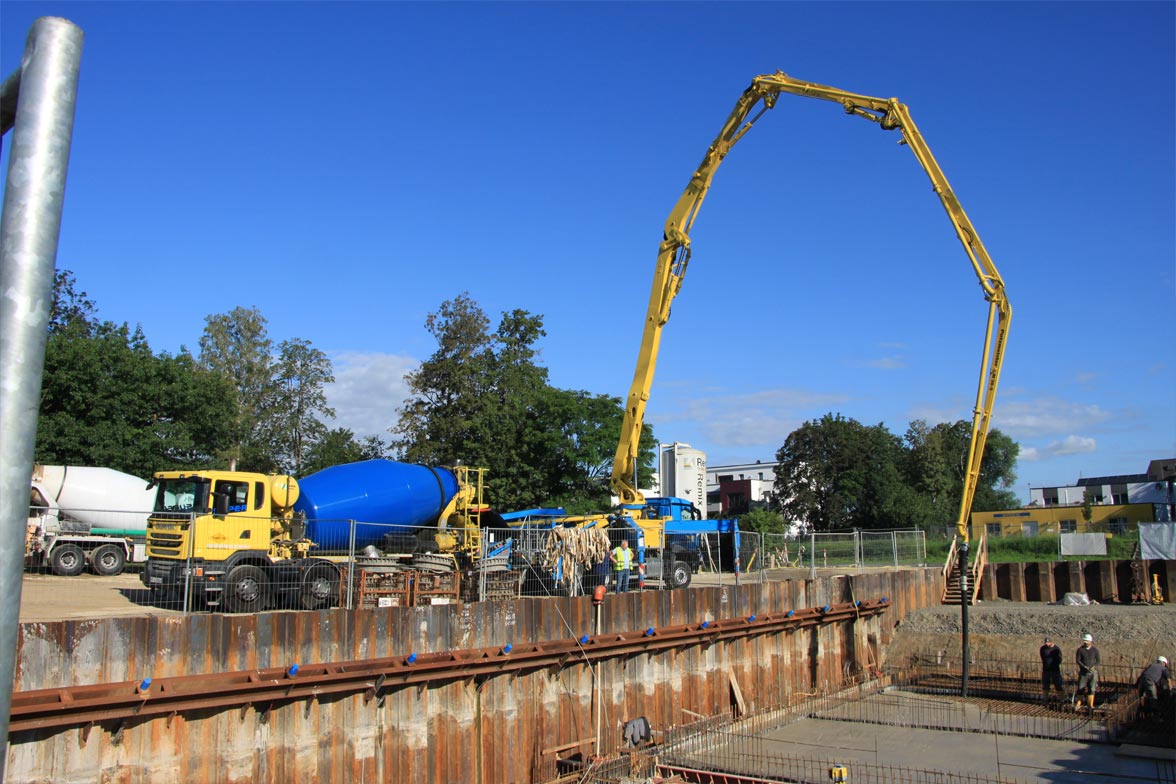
point(674, 254)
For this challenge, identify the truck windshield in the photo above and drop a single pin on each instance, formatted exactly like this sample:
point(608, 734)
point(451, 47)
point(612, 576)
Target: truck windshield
point(184, 496)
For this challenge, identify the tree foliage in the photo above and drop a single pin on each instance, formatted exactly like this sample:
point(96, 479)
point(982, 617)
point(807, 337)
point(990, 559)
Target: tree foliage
point(300, 402)
point(836, 473)
point(107, 400)
point(482, 398)
point(236, 347)
point(339, 446)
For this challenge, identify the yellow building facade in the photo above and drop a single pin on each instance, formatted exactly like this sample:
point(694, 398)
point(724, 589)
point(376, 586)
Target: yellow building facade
point(1039, 521)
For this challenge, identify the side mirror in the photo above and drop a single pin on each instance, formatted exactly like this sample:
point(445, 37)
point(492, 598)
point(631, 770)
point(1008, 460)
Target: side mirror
point(220, 504)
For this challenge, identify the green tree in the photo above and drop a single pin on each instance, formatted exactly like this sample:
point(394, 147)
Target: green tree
point(950, 442)
point(340, 446)
point(483, 398)
point(436, 424)
point(236, 347)
point(762, 521)
point(836, 473)
point(1087, 506)
point(300, 401)
point(163, 413)
point(589, 427)
point(71, 309)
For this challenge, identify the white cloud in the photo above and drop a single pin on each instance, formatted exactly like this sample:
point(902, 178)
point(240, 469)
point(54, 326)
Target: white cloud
point(752, 419)
point(887, 363)
point(368, 389)
point(1072, 445)
point(1046, 416)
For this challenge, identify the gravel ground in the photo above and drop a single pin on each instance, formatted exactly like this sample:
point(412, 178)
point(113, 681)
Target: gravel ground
point(1124, 634)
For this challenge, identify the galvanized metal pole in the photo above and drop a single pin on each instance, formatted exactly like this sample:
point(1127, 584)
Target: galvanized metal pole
point(34, 193)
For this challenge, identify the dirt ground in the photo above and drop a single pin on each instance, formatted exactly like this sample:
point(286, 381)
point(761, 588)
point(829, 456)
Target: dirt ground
point(47, 597)
point(1011, 631)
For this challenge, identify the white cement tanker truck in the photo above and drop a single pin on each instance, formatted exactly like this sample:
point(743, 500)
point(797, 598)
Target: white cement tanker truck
point(84, 515)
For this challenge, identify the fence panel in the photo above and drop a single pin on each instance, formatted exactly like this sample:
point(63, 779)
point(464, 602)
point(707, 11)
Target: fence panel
point(834, 549)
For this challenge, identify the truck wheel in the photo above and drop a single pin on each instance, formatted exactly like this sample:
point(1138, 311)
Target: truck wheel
point(246, 589)
point(679, 576)
point(67, 560)
point(108, 560)
point(320, 587)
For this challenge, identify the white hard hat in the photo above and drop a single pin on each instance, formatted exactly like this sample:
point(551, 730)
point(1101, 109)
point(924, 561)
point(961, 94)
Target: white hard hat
point(1087, 638)
point(1162, 660)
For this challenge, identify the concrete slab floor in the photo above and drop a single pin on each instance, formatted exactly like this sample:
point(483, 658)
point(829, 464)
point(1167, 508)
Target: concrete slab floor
point(1026, 759)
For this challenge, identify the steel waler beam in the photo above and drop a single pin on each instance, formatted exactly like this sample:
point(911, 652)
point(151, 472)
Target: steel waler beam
point(116, 702)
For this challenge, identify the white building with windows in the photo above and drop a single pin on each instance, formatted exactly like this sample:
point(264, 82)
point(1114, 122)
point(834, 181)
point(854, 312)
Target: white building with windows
point(737, 488)
point(1153, 487)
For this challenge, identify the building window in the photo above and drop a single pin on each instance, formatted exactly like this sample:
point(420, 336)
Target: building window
point(993, 529)
point(1117, 525)
point(1049, 496)
point(1067, 526)
point(1118, 494)
point(761, 475)
point(725, 477)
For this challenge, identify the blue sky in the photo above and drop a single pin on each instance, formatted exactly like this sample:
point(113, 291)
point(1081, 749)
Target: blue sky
point(348, 167)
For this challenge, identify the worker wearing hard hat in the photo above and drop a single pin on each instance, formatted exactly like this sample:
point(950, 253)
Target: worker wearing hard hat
point(1156, 680)
point(1088, 660)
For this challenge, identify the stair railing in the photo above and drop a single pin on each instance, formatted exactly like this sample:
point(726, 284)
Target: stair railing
point(978, 565)
point(950, 566)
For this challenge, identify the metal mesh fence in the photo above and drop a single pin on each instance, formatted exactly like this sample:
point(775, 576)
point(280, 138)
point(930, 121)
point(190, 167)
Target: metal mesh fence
point(195, 566)
point(852, 549)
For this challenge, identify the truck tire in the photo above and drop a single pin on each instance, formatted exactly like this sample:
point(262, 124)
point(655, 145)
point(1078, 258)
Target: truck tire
point(679, 576)
point(108, 560)
point(67, 560)
point(246, 589)
point(320, 587)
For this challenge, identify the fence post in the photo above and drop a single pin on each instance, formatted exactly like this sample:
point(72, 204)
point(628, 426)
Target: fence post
point(351, 566)
point(187, 600)
point(894, 546)
point(812, 555)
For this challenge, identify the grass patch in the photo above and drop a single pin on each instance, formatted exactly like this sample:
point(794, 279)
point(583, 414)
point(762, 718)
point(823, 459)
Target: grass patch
point(1023, 549)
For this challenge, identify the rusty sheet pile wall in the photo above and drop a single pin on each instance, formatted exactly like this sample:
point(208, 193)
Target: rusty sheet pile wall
point(1102, 581)
point(486, 728)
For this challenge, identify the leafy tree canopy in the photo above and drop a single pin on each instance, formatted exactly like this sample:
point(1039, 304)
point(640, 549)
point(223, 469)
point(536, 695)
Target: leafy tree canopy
point(835, 473)
point(482, 398)
point(107, 400)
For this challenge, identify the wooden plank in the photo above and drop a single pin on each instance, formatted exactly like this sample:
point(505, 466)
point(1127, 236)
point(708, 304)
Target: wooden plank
point(735, 690)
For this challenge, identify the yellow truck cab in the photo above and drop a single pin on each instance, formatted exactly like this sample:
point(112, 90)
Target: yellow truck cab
point(231, 539)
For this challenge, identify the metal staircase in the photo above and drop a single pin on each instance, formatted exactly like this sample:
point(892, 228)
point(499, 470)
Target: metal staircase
point(975, 571)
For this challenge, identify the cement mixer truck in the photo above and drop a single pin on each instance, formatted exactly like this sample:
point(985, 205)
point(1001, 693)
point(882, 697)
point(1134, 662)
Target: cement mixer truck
point(245, 542)
point(81, 515)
